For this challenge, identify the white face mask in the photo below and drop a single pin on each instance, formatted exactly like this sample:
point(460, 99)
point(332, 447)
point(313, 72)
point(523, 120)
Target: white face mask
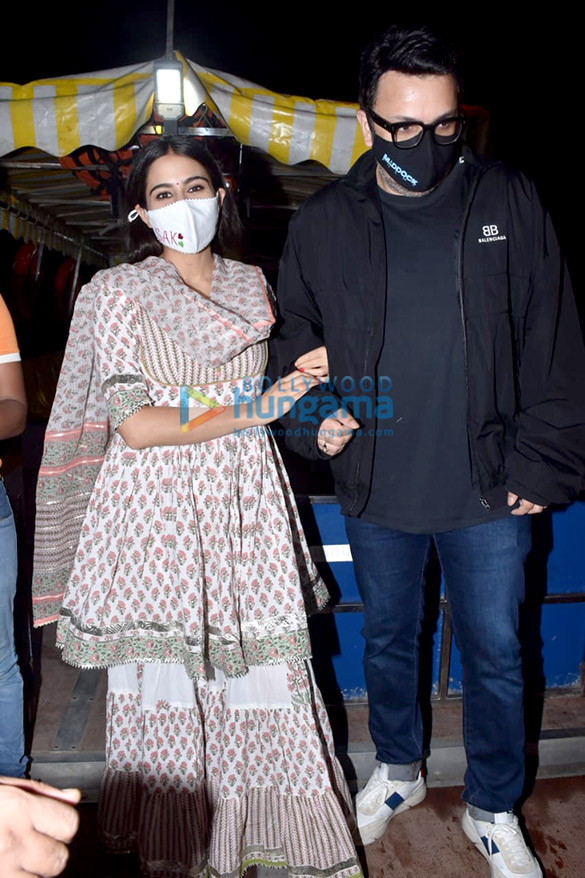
point(187, 226)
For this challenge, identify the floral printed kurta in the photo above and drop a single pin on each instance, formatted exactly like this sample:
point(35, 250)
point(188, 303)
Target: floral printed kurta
point(191, 582)
point(189, 552)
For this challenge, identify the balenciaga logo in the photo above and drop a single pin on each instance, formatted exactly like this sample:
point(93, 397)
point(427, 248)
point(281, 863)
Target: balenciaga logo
point(398, 170)
point(490, 234)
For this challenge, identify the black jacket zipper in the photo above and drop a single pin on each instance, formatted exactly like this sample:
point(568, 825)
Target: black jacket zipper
point(356, 483)
point(359, 460)
point(460, 293)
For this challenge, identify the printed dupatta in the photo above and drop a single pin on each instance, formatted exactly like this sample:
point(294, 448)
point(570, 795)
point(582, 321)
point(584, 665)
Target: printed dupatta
point(79, 429)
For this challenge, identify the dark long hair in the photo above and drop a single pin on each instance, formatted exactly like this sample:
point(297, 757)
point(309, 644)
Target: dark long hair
point(141, 239)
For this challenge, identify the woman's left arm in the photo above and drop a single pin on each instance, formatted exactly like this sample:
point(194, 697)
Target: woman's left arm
point(140, 423)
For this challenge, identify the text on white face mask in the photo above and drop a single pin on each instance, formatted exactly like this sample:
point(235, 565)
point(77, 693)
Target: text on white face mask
point(187, 226)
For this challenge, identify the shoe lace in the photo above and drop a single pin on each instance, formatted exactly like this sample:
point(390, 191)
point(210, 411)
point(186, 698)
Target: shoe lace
point(511, 844)
point(377, 790)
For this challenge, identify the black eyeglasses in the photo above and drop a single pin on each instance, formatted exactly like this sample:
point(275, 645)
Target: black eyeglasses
point(405, 135)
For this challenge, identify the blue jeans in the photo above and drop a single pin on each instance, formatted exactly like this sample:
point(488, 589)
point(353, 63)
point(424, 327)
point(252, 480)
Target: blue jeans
point(483, 571)
point(12, 761)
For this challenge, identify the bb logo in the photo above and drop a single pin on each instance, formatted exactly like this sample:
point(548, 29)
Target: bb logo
point(490, 231)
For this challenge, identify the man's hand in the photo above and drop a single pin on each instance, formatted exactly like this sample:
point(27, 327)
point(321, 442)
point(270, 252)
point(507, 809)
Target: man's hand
point(335, 432)
point(36, 823)
point(525, 506)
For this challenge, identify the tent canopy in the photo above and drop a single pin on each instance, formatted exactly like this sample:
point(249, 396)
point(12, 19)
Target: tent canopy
point(296, 144)
point(106, 108)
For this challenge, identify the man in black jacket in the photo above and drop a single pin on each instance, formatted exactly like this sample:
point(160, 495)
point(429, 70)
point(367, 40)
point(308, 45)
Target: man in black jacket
point(437, 274)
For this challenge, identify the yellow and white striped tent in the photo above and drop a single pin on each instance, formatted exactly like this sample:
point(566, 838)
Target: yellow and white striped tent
point(106, 108)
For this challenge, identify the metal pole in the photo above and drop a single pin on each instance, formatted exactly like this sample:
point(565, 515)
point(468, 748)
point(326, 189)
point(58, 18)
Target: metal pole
point(445, 654)
point(39, 259)
point(170, 30)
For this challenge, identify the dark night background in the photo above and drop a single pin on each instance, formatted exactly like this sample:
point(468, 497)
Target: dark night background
point(521, 65)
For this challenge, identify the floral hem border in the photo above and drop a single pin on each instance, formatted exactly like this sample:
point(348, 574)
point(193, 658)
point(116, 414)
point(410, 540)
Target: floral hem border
point(233, 660)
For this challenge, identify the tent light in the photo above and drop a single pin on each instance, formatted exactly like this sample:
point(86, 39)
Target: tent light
point(168, 89)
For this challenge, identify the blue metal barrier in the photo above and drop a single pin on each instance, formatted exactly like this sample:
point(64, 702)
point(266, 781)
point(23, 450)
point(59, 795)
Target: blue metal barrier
point(553, 620)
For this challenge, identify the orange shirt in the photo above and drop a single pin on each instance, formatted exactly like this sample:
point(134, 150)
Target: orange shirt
point(9, 352)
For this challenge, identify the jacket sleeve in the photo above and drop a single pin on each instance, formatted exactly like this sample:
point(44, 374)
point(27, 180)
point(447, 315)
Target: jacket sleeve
point(548, 462)
point(300, 329)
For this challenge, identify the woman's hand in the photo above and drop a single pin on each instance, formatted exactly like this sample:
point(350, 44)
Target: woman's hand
point(283, 394)
point(314, 362)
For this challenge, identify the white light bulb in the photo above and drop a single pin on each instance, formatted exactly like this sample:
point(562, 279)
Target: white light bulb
point(168, 86)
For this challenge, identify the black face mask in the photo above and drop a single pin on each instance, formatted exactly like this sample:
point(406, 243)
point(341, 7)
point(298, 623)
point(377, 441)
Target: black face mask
point(419, 168)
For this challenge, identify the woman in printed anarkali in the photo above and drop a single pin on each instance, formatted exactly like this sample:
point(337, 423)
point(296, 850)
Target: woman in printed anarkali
point(175, 557)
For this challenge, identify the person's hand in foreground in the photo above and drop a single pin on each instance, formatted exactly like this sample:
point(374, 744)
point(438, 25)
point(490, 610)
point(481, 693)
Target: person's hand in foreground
point(36, 823)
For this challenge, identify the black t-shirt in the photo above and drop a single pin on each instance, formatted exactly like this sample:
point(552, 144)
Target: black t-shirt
point(421, 481)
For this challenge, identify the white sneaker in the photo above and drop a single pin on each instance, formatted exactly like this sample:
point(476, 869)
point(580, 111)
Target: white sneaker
point(503, 846)
point(381, 799)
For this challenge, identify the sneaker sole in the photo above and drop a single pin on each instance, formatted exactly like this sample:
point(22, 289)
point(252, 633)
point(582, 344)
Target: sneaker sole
point(471, 833)
point(375, 830)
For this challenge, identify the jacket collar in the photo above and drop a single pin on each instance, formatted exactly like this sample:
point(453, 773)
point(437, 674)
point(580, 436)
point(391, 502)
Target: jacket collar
point(362, 175)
